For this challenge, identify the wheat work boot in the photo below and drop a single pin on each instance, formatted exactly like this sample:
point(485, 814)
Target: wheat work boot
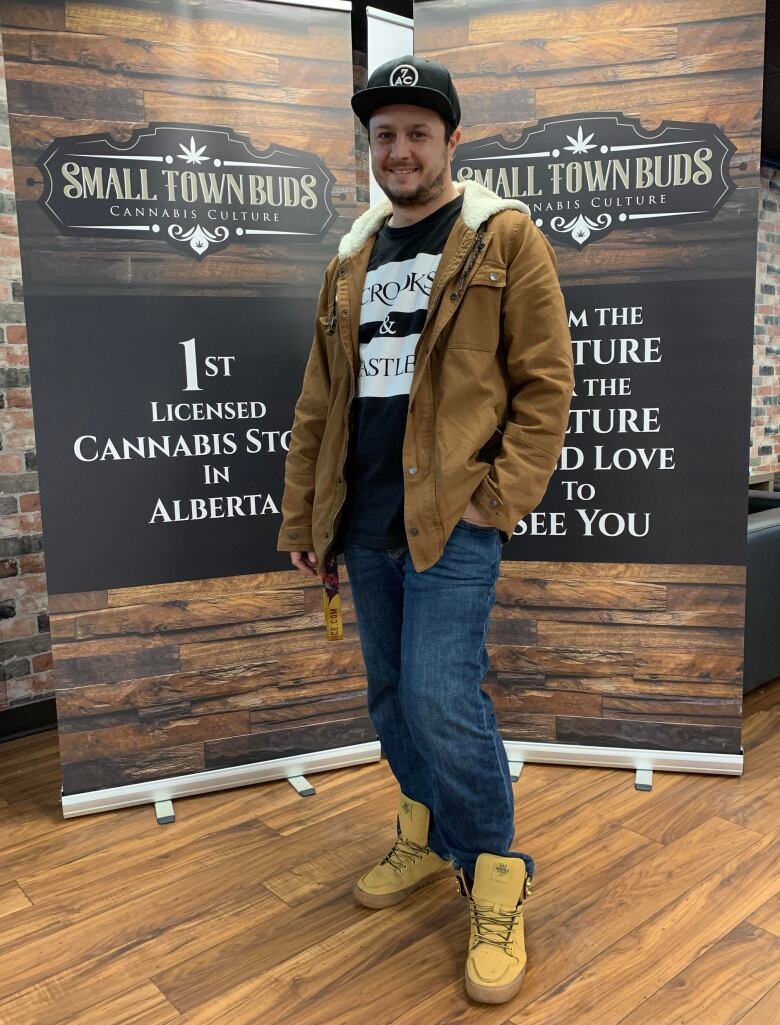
point(408, 865)
point(495, 964)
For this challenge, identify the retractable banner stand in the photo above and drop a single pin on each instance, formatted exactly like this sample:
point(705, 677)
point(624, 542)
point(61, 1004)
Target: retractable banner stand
point(183, 174)
point(632, 131)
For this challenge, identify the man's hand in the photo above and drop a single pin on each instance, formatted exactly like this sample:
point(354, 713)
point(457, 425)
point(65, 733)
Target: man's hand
point(305, 561)
point(473, 515)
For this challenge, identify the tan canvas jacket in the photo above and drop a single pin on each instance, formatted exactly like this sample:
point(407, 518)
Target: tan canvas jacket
point(490, 393)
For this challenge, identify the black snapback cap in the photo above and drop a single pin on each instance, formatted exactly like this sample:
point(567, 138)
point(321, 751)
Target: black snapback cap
point(409, 79)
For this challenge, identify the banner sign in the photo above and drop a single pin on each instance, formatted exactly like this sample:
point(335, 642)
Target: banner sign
point(197, 187)
point(587, 174)
point(183, 174)
point(619, 618)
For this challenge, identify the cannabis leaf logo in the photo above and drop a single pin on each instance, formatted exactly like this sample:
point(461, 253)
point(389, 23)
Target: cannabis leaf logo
point(580, 144)
point(191, 155)
point(198, 238)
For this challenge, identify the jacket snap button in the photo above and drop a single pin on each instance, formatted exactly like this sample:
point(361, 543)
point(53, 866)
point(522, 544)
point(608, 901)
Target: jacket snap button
point(493, 503)
point(293, 534)
point(453, 296)
point(326, 533)
point(412, 469)
point(494, 276)
point(414, 530)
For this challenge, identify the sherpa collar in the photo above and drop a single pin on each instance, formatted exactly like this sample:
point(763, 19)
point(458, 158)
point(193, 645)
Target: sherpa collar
point(479, 203)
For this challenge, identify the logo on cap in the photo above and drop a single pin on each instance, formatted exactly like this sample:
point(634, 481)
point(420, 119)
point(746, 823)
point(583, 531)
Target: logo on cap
point(404, 74)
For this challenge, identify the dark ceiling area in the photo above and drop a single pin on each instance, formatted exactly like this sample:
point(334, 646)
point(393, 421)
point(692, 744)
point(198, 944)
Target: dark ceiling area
point(770, 129)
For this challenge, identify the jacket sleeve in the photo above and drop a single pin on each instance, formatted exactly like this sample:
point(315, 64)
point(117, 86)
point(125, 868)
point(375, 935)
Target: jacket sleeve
point(311, 411)
point(540, 369)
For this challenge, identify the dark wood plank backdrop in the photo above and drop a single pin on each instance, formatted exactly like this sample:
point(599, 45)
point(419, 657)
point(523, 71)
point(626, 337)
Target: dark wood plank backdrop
point(177, 678)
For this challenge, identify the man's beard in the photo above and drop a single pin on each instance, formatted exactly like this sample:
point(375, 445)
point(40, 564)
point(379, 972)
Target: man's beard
point(424, 193)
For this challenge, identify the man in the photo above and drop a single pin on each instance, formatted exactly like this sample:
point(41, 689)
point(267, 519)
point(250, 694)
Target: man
point(433, 412)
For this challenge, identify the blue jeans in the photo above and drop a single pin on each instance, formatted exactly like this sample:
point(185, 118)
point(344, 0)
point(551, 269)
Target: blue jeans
point(423, 641)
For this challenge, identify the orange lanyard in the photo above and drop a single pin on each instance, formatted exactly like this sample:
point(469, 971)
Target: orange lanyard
point(331, 599)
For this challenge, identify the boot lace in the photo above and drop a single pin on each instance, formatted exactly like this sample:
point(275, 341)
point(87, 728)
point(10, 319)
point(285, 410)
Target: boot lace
point(403, 853)
point(494, 927)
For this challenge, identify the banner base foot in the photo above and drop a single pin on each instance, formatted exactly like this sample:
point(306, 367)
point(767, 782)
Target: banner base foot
point(643, 780)
point(164, 812)
point(302, 785)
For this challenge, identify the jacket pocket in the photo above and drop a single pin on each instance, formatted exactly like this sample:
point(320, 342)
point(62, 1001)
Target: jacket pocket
point(477, 323)
point(491, 448)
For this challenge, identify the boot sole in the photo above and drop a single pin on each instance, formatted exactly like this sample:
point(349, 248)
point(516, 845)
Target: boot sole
point(494, 994)
point(386, 900)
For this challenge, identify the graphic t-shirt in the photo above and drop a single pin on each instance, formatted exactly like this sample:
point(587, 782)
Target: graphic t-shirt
point(394, 306)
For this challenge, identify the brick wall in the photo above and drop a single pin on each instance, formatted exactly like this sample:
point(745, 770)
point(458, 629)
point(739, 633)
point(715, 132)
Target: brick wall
point(765, 424)
point(25, 660)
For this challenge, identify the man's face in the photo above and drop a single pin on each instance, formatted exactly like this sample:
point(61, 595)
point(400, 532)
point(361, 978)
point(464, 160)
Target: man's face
point(409, 157)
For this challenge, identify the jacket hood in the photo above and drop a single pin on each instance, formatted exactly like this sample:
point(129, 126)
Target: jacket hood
point(479, 203)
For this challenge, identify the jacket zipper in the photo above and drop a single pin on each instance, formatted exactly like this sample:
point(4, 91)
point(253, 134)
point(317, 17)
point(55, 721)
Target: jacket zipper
point(332, 321)
point(477, 246)
point(332, 537)
point(333, 310)
point(476, 249)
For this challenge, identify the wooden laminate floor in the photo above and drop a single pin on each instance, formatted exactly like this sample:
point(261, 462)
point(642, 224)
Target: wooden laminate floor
point(649, 908)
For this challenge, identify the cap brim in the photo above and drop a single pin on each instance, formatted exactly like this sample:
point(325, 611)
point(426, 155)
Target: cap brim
point(365, 102)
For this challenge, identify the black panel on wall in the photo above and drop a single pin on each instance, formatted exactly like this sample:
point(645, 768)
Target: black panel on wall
point(29, 718)
point(770, 121)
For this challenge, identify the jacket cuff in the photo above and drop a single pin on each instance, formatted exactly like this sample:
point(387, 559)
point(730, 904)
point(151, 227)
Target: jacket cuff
point(293, 539)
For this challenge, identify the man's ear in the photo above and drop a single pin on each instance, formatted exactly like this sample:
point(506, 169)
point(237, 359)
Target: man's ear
point(454, 139)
